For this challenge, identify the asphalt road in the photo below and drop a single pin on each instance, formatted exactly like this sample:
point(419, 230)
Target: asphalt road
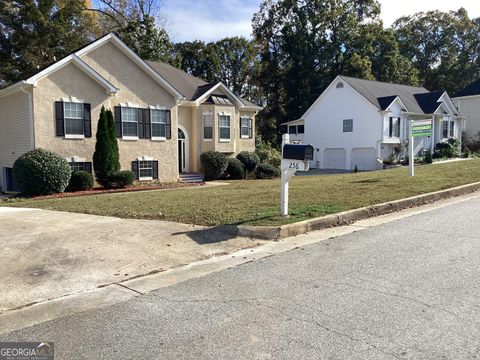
point(408, 289)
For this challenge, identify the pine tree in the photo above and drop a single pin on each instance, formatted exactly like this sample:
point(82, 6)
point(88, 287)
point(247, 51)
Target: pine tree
point(106, 155)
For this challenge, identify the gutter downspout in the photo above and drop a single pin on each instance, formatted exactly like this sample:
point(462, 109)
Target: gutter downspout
point(30, 115)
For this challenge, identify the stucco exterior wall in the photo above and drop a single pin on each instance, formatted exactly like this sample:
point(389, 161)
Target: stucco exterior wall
point(72, 82)
point(324, 123)
point(15, 128)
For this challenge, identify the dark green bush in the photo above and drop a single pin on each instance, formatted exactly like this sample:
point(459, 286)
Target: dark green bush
point(121, 179)
point(80, 181)
point(235, 169)
point(249, 159)
point(214, 164)
point(448, 149)
point(266, 171)
point(428, 158)
point(41, 172)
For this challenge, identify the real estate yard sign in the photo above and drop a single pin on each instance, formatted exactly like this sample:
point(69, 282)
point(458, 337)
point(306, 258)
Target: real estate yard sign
point(421, 128)
point(418, 129)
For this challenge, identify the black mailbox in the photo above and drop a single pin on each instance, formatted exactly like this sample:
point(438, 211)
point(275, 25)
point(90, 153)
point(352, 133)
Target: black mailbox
point(298, 152)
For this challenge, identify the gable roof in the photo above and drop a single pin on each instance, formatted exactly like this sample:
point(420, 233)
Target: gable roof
point(185, 83)
point(470, 90)
point(374, 90)
point(429, 102)
point(75, 57)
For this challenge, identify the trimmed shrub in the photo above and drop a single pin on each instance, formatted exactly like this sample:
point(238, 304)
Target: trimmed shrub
point(106, 156)
point(214, 164)
point(266, 171)
point(80, 181)
point(235, 169)
point(249, 159)
point(41, 172)
point(121, 179)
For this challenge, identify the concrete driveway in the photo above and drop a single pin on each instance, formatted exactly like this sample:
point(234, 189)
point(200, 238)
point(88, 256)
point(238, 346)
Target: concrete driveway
point(47, 254)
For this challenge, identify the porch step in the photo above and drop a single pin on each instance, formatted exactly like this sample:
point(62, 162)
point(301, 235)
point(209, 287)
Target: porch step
point(191, 177)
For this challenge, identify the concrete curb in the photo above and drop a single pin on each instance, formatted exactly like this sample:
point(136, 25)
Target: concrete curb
point(348, 217)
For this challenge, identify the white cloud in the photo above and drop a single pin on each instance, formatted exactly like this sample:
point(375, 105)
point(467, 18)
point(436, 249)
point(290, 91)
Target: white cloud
point(210, 20)
point(393, 9)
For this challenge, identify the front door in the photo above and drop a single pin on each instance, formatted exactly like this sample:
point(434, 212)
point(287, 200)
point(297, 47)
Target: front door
point(182, 152)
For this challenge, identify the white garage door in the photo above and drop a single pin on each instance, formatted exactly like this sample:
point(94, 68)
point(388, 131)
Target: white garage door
point(364, 158)
point(335, 159)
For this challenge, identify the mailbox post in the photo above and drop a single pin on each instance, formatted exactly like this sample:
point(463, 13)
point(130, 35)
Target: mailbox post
point(294, 158)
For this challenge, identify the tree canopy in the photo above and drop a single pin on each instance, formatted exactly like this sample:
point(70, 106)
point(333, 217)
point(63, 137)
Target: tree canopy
point(298, 47)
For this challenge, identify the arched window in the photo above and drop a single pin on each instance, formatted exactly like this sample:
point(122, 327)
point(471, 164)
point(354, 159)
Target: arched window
point(340, 85)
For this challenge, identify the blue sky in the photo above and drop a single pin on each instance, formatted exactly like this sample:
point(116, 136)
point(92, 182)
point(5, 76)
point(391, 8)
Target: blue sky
point(214, 19)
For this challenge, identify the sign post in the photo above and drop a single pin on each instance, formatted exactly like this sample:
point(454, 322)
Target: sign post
point(420, 128)
point(294, 158)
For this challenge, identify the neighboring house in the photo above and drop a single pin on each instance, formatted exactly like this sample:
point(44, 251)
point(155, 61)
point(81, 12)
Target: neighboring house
point(359, 123)
point(296, 130)
point(164, 117)
point(468, 103)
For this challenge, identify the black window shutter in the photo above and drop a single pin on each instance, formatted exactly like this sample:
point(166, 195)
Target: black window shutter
point(135, 169)
point(155, 169)
point(87, 120)
point(169, 124)
point(59, 120)
point(87, 166)
point(250, 128)
point(240, 133)
point(146, 123)
point(118, 121)
point(141, 127)
point(390, 127)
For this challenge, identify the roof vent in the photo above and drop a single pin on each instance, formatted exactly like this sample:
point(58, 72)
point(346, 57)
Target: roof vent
point(340, 85)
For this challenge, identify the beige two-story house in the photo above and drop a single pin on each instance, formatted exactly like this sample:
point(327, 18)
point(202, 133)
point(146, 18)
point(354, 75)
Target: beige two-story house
point(165, 118)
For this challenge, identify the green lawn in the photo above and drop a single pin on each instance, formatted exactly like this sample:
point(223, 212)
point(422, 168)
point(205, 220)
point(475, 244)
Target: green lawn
point(256, 202)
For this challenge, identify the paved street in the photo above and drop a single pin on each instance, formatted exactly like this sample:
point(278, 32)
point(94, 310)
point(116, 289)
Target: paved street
point(408, 289)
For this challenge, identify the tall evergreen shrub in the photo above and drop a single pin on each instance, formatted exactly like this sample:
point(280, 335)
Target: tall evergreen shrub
point(106, 156)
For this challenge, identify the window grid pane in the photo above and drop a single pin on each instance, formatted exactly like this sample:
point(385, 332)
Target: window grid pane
point(130, 121)
point(145, 169)
point(244, 127)
point(77, 166)
point(208, 126)
point(452, 129)
point(445, 129)
point(159, 130)
point(158, 116)
point(224, 127)
point(73, 115)
point(348, 125)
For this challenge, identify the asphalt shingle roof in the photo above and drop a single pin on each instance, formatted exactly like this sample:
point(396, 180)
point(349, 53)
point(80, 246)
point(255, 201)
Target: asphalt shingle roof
point(429, 101)
point(188, 85)
point(470, 90)
point(378, 93)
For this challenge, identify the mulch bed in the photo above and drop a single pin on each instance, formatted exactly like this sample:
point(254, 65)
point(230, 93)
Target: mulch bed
point(99, 191)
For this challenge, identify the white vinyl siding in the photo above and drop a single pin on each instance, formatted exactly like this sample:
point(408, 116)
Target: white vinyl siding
point(15, 132)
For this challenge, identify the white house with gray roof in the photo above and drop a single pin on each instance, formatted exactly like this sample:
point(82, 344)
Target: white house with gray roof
point(359, 123)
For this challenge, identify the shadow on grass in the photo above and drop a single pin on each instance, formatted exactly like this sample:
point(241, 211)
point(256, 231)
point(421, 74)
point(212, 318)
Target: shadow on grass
point(366, 181)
